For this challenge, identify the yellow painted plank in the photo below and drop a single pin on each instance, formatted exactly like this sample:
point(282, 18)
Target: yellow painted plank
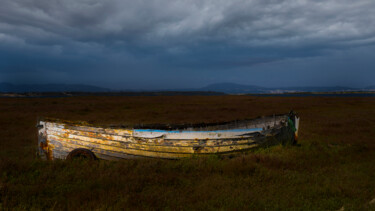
point(148, 142)
point(150, 151)
point(62, 152)
point(103, 150)
point(158, 148)
point(121, 132)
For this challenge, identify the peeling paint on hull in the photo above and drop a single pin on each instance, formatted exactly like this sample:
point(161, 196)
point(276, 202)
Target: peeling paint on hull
point(58, 138)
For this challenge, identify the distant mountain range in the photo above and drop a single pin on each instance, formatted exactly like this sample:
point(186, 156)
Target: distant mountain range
point(228, 88)
point(21, 88)
point(370, 88)
point(232, 88)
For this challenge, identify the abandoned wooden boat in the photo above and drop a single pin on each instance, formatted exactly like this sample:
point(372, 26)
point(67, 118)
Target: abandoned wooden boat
point(65, 140)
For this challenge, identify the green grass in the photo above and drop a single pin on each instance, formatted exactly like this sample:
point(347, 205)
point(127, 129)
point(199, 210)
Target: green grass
point(332, 167)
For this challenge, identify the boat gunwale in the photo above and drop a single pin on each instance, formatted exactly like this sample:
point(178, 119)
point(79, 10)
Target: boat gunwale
point(158, 126)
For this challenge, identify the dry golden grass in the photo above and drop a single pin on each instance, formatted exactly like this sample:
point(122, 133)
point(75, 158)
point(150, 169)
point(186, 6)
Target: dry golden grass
point(334, 165)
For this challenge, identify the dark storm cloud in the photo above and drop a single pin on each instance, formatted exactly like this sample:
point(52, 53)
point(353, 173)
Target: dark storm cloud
point(155, 37)
point(161, 22)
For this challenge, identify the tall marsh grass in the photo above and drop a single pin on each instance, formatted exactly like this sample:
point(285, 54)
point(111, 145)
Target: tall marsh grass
point(332, 167)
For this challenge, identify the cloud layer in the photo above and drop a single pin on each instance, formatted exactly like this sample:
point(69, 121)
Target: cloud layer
point(155, 36)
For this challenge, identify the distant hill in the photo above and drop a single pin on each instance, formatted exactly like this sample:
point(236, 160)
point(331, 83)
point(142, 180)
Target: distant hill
point(232, 88)
point(315, 89)
point(22, 88)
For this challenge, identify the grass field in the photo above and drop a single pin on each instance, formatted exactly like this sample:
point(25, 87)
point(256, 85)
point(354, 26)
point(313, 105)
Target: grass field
point(332, 167)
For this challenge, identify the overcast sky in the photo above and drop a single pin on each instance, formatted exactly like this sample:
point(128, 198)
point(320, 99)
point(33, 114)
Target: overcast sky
point(160, 44)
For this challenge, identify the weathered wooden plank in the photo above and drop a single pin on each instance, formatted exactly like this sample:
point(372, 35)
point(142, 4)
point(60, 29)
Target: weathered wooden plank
point(109, 150)
point(183, 134)
point(167, 149)
point(121, 132)
point(166, 135)
point(92, 134)
point(105, 154)
point(170, 134)
point(148, 151)
point(62, 153)
point(124, 141)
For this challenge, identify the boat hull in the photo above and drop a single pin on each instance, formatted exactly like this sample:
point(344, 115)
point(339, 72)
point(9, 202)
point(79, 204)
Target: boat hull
point(57, 139)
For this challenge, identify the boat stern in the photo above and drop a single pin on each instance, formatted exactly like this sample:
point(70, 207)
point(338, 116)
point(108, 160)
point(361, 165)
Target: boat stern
point(44, 150)
point(294, 123)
